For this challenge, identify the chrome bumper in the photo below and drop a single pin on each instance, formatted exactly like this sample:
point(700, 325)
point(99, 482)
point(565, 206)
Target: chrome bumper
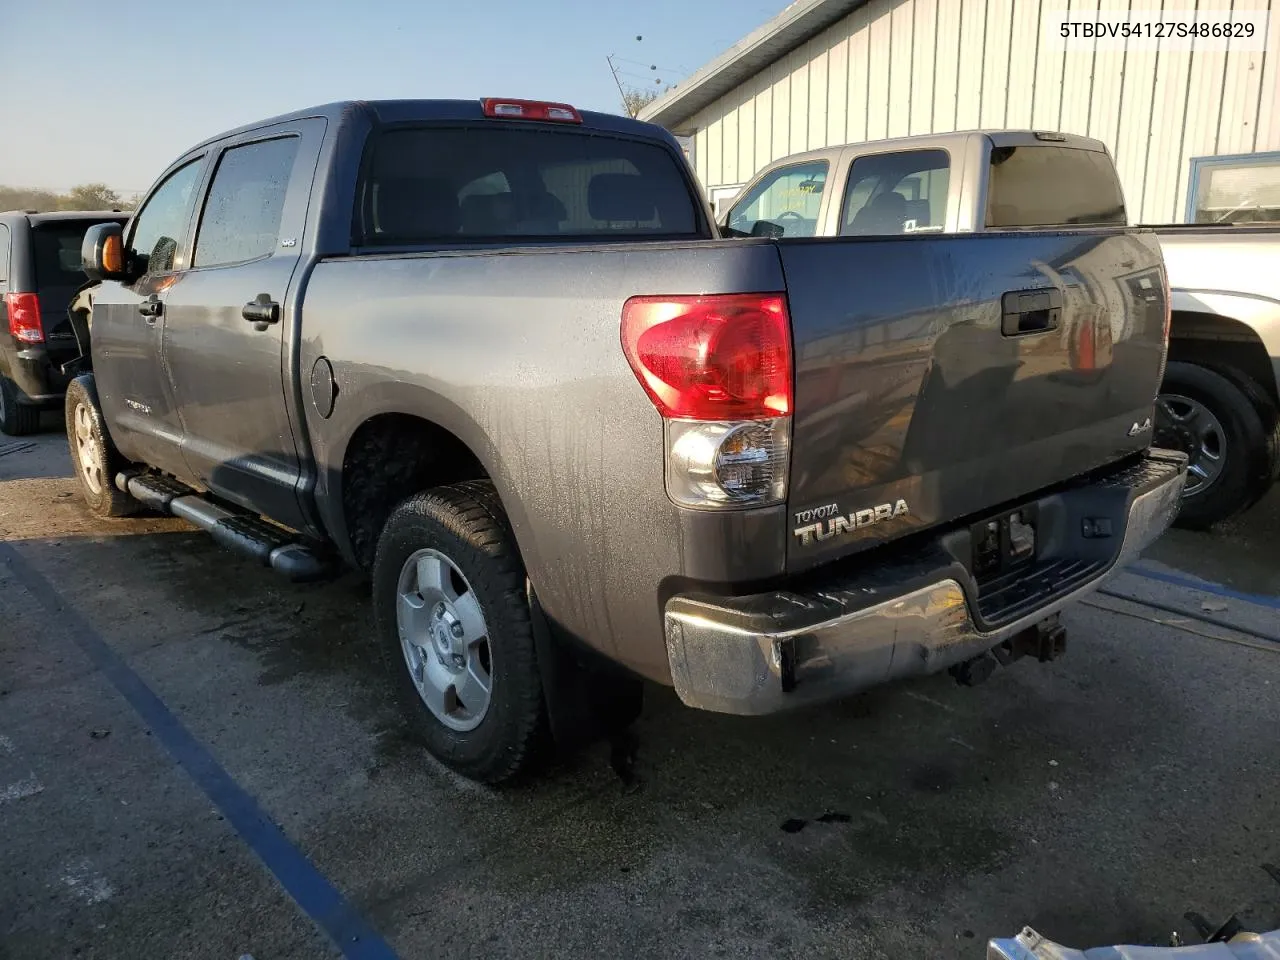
point(724, 662)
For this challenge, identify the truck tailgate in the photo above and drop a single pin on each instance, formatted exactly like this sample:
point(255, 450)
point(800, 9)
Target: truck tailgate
point(943, 377)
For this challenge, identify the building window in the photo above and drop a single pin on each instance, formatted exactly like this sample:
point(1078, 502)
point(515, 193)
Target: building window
point(1238, 189)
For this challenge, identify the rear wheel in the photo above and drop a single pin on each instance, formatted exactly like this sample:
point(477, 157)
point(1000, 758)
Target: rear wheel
point(454, 627)
point(16, 419)
point(93, 455)
point(1218, 420)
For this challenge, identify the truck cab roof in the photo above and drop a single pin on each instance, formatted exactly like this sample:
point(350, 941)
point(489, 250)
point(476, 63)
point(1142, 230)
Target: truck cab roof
point(426, 111)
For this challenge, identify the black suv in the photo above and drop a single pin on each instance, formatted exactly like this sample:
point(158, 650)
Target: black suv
point(39, 275)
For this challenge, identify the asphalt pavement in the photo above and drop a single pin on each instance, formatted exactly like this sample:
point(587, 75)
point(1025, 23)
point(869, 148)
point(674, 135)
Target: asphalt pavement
point(198, 759)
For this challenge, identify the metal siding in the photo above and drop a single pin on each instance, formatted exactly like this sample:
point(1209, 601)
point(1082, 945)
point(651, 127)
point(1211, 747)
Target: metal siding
point(900, 68)
point(1164, 157)
point(1269, 105)
point(973, 28)
point(859, 67)
point(729, 148)
point(1110, 68)
point(923, 37)
point(715, 152)
point(946, 67)
point(781, 111)
point(1046, 106)
point(838, 85)
point(880, 43)
point(817, 132)
point(1024, 45)
point(995, 74)
point(764, 154)
point(1204, 106)
point(800, 102)
point(1134, 136)
point(1240, 92)
point(700, 157)
point(1077, 78)
point(747, 130)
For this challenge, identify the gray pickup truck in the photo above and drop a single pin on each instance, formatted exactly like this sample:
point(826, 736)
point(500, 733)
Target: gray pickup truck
point(495, 353)
point(1221, 389)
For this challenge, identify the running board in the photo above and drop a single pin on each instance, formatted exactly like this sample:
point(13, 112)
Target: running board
point(265, 542)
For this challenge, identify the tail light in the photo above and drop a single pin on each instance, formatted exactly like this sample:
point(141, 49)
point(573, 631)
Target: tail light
point(718, 368)
point(530, 110)
point(24, 317)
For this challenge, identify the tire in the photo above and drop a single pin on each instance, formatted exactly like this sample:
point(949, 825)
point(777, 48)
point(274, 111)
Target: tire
point(16, 419)
point(1247, 444)
point(462, 531)
point(93, 456)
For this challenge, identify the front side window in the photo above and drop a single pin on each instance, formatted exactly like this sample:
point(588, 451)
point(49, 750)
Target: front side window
point(157, 238)
point(1234, 191)
point(895, 193)
point(785, 203)
point(241, 219)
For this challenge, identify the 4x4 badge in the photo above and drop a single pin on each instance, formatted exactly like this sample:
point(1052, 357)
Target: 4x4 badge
point(1138, 428)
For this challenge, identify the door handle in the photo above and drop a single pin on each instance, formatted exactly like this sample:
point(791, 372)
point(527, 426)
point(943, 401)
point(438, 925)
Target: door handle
point(1030, 311)
point(261, 311)
point(151, 308)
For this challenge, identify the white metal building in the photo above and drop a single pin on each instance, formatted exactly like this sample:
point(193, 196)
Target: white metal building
point(1195, 132)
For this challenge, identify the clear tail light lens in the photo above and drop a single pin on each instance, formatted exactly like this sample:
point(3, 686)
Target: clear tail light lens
point(718, 368)
point(728, 463)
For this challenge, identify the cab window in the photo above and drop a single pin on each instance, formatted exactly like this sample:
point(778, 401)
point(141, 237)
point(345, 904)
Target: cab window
point(784, 204)
point(895, 193)
point(241, 219)
point(157, 241)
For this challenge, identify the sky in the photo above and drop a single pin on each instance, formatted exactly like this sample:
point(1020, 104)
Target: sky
point(115, 91)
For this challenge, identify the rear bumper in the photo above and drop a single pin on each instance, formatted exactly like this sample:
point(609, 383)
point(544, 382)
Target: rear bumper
point(37, 372)
point(916, 613)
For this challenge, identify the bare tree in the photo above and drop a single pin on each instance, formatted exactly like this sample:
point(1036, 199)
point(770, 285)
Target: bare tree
point(86, 196)
point(635, 99)
point(90, 196)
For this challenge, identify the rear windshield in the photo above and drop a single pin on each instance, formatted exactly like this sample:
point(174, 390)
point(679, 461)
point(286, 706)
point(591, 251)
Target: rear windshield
point(56, 247)
point(1045, 186)
point(458, 184)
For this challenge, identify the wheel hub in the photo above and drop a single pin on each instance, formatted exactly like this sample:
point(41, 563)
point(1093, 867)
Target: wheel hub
point(1184, 423)
point(445, 639)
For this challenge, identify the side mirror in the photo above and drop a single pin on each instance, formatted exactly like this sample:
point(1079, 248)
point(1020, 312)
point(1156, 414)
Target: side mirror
point(102, 252)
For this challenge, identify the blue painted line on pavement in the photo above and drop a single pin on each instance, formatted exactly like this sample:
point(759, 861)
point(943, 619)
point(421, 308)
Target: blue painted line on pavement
point(309, 888)
point(1204, 586)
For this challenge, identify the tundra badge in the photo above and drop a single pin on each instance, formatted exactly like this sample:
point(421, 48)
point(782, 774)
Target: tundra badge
point(854, 521)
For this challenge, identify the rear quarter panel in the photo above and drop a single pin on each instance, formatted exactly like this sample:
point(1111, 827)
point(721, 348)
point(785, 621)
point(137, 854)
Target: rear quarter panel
point(518, 354)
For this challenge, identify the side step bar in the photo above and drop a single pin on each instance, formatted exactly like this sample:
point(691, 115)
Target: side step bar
point(265, 542)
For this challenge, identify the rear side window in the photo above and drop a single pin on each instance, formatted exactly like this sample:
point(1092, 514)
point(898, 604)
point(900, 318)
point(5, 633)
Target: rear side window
point(896, 193)
point(454, 184)
point(785, 203)
point(56, 252)
point(4, 253)
point(1046, 186)
point(241, 218)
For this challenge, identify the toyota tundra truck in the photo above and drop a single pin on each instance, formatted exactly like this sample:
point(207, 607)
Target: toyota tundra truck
point(496, 354)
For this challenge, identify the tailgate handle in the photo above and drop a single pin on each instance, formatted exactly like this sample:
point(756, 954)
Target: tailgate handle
point(1030, 311)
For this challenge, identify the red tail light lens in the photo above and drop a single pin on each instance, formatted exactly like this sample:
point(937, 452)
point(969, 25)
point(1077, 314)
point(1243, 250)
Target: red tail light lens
point(24, 317)
point(712, 357)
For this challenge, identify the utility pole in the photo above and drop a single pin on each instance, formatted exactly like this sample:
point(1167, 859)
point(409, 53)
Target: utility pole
point(626, 104)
